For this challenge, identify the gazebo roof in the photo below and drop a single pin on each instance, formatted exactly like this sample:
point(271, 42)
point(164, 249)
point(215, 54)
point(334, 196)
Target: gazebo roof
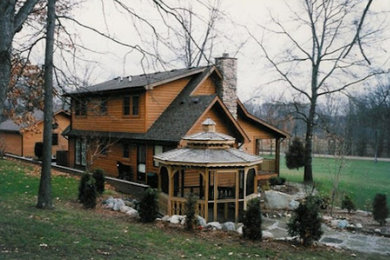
point(208, 149)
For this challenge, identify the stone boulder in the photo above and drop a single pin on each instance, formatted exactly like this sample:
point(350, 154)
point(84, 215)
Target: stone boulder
point(267, 234)
point(124, 209)
point(118, 204)
point(277, 200)
point(240, 230)
point(176, 219)
point(132, 213)
point(228, 226)
point(166, 218)
point(201, 221)
point(214, 225)
point(293, 204)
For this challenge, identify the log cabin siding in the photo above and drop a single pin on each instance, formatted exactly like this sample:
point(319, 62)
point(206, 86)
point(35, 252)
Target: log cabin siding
point(253, 132)
point(113, 120)
point(217, 115)
point(206, 88)
point(158, 99)
point(13, 142)
point(32, 137)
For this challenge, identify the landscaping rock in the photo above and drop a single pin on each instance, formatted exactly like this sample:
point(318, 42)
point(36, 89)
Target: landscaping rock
point(228, 226)
point(293, 204)
point(175, 219)
point(183, 220)
point(118, 204)
point(334, 223)
point(359, 226)
point(377, 230)
point(214, 225)
point(267, 234)
point(132, 213)
point(201, 221)
point(327, 218)
point(166, 218)
point(342, 223)
point(363, 213)
point(239, 230)
point(124, 209)
point(277, 200)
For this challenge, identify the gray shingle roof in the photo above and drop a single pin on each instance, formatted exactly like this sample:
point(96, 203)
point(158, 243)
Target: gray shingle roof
point(11, 126)
point(204, 157)
point(143, 80)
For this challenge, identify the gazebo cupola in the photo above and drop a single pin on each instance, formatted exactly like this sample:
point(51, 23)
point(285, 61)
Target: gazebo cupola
point(209, 166)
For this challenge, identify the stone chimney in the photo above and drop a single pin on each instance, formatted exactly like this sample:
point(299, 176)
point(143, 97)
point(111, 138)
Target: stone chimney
point(227, 88)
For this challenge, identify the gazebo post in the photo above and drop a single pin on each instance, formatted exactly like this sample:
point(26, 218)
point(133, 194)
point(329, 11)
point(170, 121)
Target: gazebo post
point(170, 190)
point(237, 194)
point(215, 195)
point(245, 179)
point(206, 194)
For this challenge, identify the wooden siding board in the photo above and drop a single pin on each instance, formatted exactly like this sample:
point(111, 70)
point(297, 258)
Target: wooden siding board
point(253, 133)
point(161, 97)
point(206, 88)
point(13, 142)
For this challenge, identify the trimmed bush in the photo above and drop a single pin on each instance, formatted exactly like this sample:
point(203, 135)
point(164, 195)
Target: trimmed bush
point(87, 191)
point(98, 175)
point(321, 200)
point(252, 220)
point(295, 156)
point(348, 204)
point(277, 181)
point(190, 211)
point(306, 222)
point(380, 210)
point(38, 150)
point(148, 207)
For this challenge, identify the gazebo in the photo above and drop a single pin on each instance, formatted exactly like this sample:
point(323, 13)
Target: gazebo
point(210, 166)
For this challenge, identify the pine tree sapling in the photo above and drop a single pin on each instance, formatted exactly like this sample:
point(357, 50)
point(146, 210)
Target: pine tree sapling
point(380, 210)
point(87, 191)
point(306, 222)
point(295, 156)
point(348, 204)
point(190, 211)
point(252, 220)
point(148, 207)
point(98, 175)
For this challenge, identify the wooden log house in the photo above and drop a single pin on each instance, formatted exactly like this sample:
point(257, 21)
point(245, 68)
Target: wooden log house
point(119, 125)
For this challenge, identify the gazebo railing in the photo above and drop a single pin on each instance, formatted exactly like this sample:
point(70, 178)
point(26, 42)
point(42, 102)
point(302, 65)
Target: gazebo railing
point(178, 206)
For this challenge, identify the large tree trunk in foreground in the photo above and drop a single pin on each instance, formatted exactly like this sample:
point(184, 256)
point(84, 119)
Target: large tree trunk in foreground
point(44, 194)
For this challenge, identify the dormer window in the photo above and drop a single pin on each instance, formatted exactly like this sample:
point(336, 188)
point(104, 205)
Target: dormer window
point(131, 106)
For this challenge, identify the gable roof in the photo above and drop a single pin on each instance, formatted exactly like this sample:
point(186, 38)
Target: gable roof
point(261, 122)
point(10, 126)
point(146, 81)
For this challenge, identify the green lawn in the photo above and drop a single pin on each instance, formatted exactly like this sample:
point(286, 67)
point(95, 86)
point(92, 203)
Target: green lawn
point(70, 232)
point(359, 178)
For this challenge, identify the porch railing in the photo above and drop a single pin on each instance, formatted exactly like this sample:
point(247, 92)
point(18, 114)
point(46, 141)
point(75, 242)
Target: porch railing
point(268, 165)
point(178, 206)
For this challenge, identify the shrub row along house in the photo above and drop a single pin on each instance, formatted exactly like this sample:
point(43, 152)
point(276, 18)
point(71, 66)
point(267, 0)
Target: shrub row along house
point(119, 125)
point(20, 139)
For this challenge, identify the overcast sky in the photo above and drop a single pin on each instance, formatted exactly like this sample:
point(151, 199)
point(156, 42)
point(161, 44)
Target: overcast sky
point(111, 60)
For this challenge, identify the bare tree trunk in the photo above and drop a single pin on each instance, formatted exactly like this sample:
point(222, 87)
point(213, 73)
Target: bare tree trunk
point(6, 29)
point(44, 194)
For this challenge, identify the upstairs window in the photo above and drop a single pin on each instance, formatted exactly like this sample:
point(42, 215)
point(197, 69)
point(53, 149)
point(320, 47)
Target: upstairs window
point(81, 107)
point(103, 106)
point(126, 106)
point(131, 105)
point(158, 149)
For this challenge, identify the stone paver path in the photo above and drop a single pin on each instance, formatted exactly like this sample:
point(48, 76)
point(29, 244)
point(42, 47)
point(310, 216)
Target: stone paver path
point(341, 239)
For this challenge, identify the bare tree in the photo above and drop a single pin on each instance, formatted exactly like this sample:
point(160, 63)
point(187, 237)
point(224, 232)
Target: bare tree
point(12, 16)
point(330, 63)
point(44, 194)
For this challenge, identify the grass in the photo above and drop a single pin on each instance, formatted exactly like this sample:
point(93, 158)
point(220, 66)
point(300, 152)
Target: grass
point(361, 179)
point(70, 232)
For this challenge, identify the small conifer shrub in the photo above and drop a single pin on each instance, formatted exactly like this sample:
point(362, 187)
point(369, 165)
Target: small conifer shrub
point(190, 211)
point(148, 207)
point(98, 175)
point(295, 156)
point(38, 150)
point(380, 210)
point(252, 220)
point(277, 181)
point(87, 191)
point(306, 222)
point(348, 204)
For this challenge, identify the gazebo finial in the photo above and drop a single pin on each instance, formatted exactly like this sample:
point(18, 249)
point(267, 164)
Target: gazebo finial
point(208, 125)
